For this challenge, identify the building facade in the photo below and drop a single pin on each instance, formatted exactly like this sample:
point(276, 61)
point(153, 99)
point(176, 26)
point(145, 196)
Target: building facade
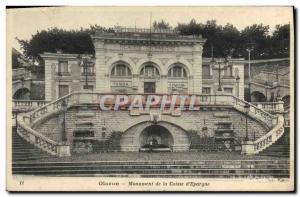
point(140, 61)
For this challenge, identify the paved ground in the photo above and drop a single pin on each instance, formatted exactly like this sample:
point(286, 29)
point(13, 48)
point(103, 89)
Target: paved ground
point(136, 156)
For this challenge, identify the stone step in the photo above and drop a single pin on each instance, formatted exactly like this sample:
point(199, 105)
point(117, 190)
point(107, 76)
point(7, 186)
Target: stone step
point(213, 172)
point(24, 151)
point(140, 167)
point(231, 176)
point(165, 162)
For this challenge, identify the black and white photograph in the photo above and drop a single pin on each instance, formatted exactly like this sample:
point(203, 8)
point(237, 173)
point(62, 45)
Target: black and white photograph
point(161, 98)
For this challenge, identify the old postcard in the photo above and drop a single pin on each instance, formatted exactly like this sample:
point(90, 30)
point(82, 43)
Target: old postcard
point(150, 99)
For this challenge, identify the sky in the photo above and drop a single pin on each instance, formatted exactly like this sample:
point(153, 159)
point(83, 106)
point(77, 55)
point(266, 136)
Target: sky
point(23, 23)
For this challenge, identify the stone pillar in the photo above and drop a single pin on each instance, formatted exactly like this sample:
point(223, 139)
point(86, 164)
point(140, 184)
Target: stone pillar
point(247, 148)
point(135, 83)
point(242, 81)
point(50, 67)
point(280, 106)
point(164, 84)
point(76, 73)
point(63, 150)
point(197, 69)
point(102, 84)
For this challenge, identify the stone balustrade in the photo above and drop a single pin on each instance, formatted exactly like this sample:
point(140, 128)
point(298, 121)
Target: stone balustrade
point(28, 120)
point(271, 137)
point(27, 104)
point(41, 141)
point(270, 106)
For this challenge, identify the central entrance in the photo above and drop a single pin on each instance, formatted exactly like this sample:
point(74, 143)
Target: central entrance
point(149, 87)
point(156, 138)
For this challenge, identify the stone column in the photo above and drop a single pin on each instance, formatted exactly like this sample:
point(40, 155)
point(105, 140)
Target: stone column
point(197, 68)
point(76, 73)
point(248, 148)
point(242, 81)
point(135, 83)
point(164, 84)
point(50, 67)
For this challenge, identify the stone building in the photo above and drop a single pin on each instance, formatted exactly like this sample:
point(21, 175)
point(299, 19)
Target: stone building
point(140, 61)
point(143, 61)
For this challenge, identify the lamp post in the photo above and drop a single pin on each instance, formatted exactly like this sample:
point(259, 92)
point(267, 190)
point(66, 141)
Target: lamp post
point(85, 63)
point(219, 69)
point(64, 106)
point(249, 49)
point(247, 110)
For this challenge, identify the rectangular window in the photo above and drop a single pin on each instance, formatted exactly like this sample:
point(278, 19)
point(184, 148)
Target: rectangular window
point(63, 90)
point(228, 90)
point(205, 70)
point(63, 67)
point(205, 90)
point(228, 71)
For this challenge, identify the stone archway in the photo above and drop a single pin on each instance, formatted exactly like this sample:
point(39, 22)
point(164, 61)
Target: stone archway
point(167, 133)
point(286, 100)
point(258, 97)
point(22, 93)
point(156, 135)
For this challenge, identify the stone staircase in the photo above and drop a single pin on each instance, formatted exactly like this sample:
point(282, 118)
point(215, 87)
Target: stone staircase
point(280, 148)
point(24, 151)
point(179, 168)
point(112, 144)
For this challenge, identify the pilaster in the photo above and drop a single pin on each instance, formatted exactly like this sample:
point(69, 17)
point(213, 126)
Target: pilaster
point(197, 69)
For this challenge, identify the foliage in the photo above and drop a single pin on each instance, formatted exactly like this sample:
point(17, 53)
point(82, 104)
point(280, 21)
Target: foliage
point(161, 25)
point(221, 41)
point(227, 40)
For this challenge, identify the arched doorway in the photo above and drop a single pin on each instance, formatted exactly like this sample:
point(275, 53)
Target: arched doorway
point(22, 94)
point(258, 97)
point(156, 137)
point(150, 76)
point(164, 133)
point(286, 100)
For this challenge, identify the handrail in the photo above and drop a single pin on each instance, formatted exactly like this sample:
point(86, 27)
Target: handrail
point(270, 106)
point(29, 103)
point(36, 138)
point(271, 137)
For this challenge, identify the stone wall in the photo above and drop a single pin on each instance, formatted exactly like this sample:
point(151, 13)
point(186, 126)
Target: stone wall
point(52, 127)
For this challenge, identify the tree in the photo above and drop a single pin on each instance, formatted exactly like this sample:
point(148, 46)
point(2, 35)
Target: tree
point(255, 36)
point(280, 41)
point(222, 40)
point(161, 25)
point(68, 41)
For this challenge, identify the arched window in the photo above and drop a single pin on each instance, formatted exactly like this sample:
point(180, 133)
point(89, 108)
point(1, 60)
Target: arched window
point(177, 71)
point(121, 70)
point(149, 71)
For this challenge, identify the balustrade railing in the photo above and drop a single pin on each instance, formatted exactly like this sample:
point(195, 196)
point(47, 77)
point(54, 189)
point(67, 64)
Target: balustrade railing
point(271, 137)
point(33, 104)
point(270, 106)
point(36, 138)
